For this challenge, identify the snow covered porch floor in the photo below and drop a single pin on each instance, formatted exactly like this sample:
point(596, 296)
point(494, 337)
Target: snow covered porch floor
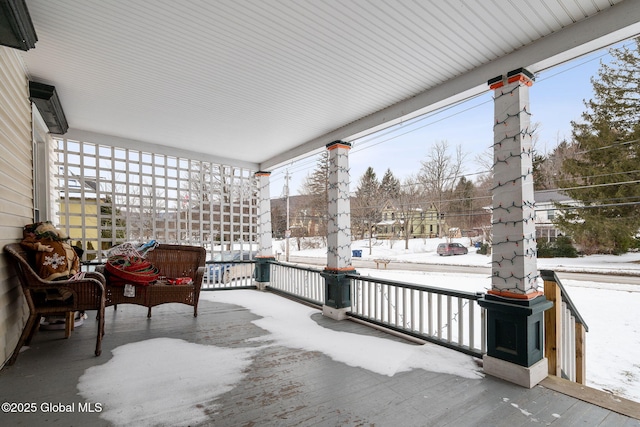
point(253, 358)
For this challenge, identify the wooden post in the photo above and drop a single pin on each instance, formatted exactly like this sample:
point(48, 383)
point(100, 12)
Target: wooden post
point(581, 356)
point(552, 327)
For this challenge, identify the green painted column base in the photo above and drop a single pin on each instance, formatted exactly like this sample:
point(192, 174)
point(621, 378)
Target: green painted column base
point(263, 269)
point(337, 288)
point(515, 328)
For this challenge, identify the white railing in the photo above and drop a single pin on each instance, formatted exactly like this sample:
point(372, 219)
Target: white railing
point(302, 282)
point(565, 332)
point(450, 318)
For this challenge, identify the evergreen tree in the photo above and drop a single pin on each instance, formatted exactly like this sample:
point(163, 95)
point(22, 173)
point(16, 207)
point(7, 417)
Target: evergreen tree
point(604, 174)
point(541, 180)
point(461, 208)
point(316, 186)
point(112, 224)
point(389, 187)
point(548, 169)
point(365, 209)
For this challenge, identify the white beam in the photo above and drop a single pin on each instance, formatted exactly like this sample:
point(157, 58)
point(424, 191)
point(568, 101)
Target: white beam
point(116, 141)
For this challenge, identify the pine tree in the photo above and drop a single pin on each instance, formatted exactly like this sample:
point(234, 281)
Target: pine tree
point(604, 174)
point(365, 209)
point(316, 187)
point(389, 187)
point(461, 208)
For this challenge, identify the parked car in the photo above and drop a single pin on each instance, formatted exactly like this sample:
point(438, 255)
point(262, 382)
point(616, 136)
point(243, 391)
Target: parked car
point(451, 249)
point(225, 272)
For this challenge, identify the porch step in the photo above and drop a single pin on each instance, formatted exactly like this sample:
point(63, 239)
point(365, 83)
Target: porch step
point(591, 395)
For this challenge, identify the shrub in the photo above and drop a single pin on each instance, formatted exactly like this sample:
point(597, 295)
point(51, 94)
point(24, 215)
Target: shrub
point(544, 248)
point(562, 248)
point(484, 249)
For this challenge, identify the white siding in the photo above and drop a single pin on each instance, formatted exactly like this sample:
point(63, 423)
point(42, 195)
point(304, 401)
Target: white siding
point(16, 189)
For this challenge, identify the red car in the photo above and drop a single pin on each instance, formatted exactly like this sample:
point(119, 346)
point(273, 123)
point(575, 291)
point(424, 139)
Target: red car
point(451, 249)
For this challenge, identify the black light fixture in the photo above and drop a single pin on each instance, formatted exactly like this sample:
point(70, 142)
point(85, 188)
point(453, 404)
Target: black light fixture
point(16, 28)
point(48, 103)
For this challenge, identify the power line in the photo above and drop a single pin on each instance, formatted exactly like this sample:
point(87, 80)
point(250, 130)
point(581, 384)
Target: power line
point(606, 205)
point(604, 175)
point(608, 184)
point(615, 144)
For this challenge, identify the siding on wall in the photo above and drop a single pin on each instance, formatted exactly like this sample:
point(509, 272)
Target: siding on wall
point(16, 189)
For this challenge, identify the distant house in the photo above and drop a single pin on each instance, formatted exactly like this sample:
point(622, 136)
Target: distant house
point(547, 211)
point(421, 222)
point(304, 218)
point(81, 213)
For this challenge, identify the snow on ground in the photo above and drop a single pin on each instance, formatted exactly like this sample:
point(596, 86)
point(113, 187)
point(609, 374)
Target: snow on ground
point(424, 251)
point(142, 384)
point(129, 383)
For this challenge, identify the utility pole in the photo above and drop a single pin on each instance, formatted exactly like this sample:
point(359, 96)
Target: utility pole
point(287, 232)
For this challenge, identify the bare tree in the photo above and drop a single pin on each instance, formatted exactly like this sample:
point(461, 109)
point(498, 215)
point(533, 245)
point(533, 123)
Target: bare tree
point(439, 174)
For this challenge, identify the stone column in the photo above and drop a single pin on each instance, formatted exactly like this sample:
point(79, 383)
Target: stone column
point(514, 304)
point(337, 286)
point(265, 255)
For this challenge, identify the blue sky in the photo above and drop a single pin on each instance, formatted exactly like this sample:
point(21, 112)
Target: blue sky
point(556, 98)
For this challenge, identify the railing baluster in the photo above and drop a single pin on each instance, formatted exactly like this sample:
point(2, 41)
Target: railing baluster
point(439, 332)
point(413, 309)
point(404, 308)
point(421, 312)
point(449, 318)
point(460, 322)
point(472, 325)
point(375, 307)
point(389, 312)
point(430, 313)
point(396, 306)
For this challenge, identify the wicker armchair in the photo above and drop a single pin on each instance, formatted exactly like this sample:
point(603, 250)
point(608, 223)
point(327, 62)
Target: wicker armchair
point(88, 294)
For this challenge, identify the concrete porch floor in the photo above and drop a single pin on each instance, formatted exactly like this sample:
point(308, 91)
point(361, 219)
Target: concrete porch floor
point(281, 386)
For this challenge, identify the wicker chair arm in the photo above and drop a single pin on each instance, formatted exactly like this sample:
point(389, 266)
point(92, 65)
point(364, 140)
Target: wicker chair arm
point(75, 285)
point(97, 275)
point(197, 281)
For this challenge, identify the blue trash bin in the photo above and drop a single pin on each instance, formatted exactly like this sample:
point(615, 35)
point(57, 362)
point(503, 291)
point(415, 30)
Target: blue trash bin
point(356, 253)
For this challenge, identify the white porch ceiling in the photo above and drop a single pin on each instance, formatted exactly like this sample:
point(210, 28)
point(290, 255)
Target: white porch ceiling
point(259, 82)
